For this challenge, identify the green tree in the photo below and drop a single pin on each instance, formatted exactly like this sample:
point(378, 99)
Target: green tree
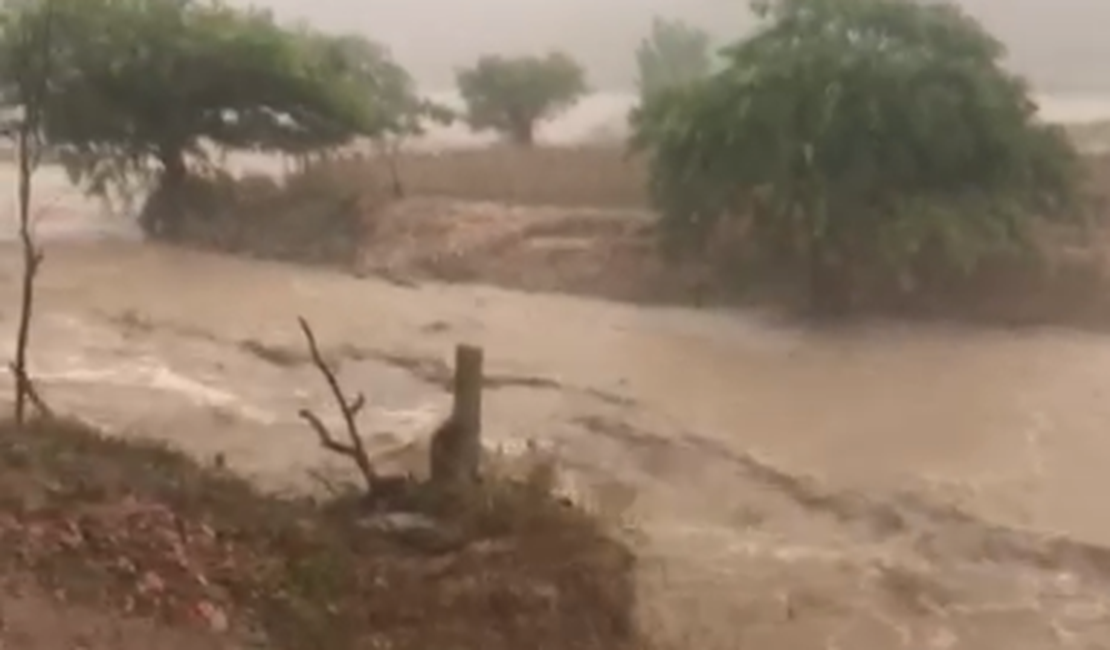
point(511, 95)
point(858, 141)
point(400, 112)
point(146, 87)
point(674, 54)
point(398, 108)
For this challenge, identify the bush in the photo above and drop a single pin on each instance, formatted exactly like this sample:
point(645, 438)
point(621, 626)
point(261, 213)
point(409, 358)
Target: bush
point(316, 216)
point(862, 144)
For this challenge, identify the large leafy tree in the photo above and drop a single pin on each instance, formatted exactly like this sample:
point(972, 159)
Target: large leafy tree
point(511, 95)
point(144, 88)
point(400, 112)
point(673, 54)
point(398, 109)
point(858, 140)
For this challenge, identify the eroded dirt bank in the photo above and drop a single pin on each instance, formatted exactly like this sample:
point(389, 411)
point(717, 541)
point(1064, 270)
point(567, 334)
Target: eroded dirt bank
point(699, 427)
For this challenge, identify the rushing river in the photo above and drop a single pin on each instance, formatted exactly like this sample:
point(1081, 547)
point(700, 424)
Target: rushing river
point(940, 456)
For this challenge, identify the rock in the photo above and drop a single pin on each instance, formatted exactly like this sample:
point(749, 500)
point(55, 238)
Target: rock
point(213, 616)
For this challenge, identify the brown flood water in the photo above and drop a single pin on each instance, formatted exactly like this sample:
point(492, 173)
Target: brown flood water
point(941, 457)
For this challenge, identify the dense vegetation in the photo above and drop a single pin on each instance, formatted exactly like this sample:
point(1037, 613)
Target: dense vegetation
point(510, 95)
point(858, 143)
point(855, 144)
point(144, 90)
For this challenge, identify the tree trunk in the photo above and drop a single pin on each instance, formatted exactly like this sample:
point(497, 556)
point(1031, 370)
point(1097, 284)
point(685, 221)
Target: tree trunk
point(523, 133)
point(174, 169)
point(830, 282)
point(163, 211)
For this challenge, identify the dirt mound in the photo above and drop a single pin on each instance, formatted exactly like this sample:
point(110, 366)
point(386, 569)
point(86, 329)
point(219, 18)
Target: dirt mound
point(140, 531)
point(606, 254)
point(615, 255)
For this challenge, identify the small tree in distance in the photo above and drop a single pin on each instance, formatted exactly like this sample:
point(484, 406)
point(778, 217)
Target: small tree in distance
point(511, 95)
point(674, 54)
point(858, 142)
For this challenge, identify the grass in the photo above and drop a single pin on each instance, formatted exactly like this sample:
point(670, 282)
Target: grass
point(142, 529)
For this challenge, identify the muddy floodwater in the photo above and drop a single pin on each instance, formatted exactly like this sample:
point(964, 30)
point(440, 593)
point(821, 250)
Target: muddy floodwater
point(889, 486)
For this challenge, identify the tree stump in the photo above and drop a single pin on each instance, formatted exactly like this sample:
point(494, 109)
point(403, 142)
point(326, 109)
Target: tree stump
point(456, 447)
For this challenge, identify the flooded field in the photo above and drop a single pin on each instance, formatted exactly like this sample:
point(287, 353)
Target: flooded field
point(883, 487)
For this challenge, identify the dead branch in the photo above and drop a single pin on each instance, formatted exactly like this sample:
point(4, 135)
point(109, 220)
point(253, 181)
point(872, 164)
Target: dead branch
point(31, 393)
point(355, 450)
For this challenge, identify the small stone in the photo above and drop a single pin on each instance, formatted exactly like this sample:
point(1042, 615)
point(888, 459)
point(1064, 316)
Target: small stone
point(415, 530)
point(215, 617)
point(151, 583)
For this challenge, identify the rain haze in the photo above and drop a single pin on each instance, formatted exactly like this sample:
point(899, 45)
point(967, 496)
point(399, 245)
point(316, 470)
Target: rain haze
point(1061, 45)
point(927, 475)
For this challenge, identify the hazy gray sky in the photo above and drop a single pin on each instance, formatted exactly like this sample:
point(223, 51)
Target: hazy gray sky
point(1063, 45)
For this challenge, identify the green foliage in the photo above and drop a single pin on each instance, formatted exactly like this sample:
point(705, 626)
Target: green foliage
point(858, 140)
point(511, 95)
point(144, 88)
point(674, 54)
point(399, 111)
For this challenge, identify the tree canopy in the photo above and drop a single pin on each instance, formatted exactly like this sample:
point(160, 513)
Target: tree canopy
point(673, 54)
point(141, 86)
point(511, 95)
point(857, 138)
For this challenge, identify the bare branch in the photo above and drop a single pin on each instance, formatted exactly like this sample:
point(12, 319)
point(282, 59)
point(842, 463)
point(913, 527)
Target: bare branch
point(355, 450)
point(34, 79)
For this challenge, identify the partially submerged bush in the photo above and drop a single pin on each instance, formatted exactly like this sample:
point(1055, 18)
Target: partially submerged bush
point(316, 215)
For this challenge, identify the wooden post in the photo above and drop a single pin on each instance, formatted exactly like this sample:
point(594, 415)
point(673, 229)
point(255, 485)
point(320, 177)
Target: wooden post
point(456, 449)
point(468, 390)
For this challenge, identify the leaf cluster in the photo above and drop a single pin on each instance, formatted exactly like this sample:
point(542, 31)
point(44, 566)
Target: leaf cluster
point(859, 132)
point(141, 81)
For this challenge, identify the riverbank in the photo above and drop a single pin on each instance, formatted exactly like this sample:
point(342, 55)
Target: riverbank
point(134, 535)
point(573, 221)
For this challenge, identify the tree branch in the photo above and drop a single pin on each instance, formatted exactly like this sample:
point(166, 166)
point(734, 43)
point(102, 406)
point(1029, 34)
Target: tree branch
point(355, 450)
point(34, 83)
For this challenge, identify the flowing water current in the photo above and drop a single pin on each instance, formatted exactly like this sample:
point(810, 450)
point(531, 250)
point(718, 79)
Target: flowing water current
point(885, 487)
